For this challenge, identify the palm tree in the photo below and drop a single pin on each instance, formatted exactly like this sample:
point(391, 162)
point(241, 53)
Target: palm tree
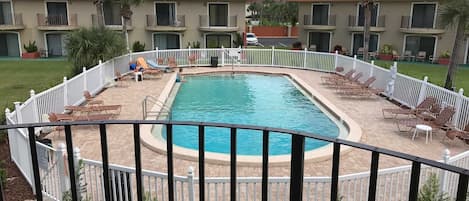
point(99, 12)
point(126, 14)
point(367, 7)
point(455, 12)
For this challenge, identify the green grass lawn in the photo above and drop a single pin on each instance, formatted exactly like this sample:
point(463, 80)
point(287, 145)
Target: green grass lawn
point(436, 73)
point(18, 77)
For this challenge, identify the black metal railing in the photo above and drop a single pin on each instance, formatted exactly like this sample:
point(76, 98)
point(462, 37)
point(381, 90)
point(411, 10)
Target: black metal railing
point(297, 159)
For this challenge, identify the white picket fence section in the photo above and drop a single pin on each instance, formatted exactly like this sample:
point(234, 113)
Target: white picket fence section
point(401, 88)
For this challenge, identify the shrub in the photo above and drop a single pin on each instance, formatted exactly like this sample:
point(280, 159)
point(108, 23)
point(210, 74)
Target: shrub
point(387, 49)
point(86, 47)
point(430, 191)
point(31, 47)
point(238, 40)
point(138, 47)
point(445, 54)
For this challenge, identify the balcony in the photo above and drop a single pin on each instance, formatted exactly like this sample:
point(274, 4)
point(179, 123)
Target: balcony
point(353, 25)
point(177, 25)
point(14, 25)
point(409, 28)
point(309, 23)
point(114, 26)
point(230, 26)
point(57, 22)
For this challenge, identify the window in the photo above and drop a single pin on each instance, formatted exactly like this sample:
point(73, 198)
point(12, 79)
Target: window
point(320, 14)
point(57, 13)
point(420, 43)
point(111, 12)
point(166, 41)
point(361, 15)
point(56, 44)
point(423, 15)
point(319, 40)
point(5, 13)
point(217, 41)
point(358, 42)
point(9, 44)
point(218, 14)
point(165, 14)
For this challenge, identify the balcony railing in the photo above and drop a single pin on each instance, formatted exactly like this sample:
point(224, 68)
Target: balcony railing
point(180, 21)
point(406, 23)
point(309, 21)
point(15, 23)
point(94, 22)
point(57, 20)
point(353, 22)
point(297, 160)
point(232, 21)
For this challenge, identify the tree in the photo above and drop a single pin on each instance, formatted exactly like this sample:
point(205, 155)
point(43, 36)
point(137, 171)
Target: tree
point(254, 8)
point(455, 13)
point(367, 7)
point(126, 14)
point(86, 46)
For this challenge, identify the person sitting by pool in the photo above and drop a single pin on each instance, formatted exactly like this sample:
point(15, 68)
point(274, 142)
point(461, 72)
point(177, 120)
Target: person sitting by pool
point(179, 77)
point(133, 65)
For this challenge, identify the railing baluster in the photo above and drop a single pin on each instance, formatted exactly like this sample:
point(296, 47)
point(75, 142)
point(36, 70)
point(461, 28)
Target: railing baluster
point(297, 167)
point(373, 176)
point(105, 157)
point(169, 148)
point(414, 181)
point(71, 166)
point(265, 164)
point(233, 164)
point(201, 163)
point(462, 187)
point(33, 151)
point(335, 172)
point(138, 162)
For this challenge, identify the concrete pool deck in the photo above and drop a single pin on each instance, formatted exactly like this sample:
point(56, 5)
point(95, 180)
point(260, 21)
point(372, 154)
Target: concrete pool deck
point(365, 112)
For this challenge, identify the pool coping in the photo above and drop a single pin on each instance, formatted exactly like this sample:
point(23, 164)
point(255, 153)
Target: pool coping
point(320, 154)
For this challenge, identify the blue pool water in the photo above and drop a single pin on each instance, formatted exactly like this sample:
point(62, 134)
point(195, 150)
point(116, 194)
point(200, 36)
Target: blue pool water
point(251, 99)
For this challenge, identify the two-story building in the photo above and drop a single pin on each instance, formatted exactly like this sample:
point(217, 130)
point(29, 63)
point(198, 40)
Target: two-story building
point(411, 26)
point(162, 24)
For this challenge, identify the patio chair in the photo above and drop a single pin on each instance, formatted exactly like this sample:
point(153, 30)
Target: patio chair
point(396, 56)
point(462, 135)
point(421, 56)
point(362, 92)
point(433, 59)
point(356, 86)
point(120, 79)
point(438, 123)
point(342, 82)
point(360, 52)
point(172, 62)
point(90, 99)
point(334, 77)
point(408, 56)
point(68, 117)
point(192, 60)
point(425, 105)
point(96, 108)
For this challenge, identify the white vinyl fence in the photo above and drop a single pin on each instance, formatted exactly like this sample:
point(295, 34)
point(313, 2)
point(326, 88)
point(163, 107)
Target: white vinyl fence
point(401, 88)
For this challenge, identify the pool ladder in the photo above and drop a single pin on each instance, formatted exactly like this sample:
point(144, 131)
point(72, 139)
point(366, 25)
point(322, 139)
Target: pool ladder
point(164, 111)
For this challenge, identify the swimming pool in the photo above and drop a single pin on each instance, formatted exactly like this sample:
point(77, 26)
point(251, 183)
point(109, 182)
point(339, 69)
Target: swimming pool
point(253, 99)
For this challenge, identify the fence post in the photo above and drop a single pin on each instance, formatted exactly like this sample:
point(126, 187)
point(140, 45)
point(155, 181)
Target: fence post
point(76, 162)
point(392, 81)
point(354, 62)
point(444, 174)
point(458, 107)
point(85, 80)
point(423, 90)
point(304, 58)
point(101, 79)
point(190, 185)
point(273, 55)
point(372, 68)
point(32, 94)
point(65, 92)
point(222, 56)
point(156, 54)
point(336, 59)
point(63, 182)
point(19, 116)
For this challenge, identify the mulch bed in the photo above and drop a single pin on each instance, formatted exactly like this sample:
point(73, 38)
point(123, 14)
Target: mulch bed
point(16, 187)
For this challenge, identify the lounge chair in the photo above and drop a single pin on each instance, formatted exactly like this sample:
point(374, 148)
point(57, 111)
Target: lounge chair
point(90, 99)
point(120, 79)
point(358, 85)
point(67, 117)
point(421, 56)
point(440, 121)
point(462, 135)
point(172, 62)
point(425, 105)
point(335, 74)
point(95, 108)
point(342, 82)
point(335, 77)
